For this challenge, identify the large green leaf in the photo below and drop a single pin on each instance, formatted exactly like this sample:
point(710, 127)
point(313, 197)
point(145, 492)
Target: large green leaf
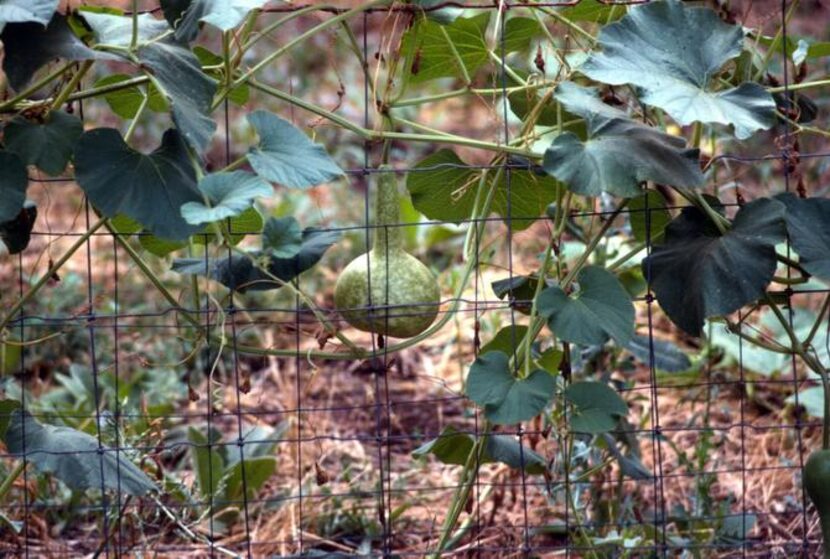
point(453, 447)
point(287, 156)
point(190, 92)
point(46, 144)
point(596, 407)
point(808, 227)
point(16, 233)
point(674, 52)
point(698, 273)
point(28, 46)
point(282, 237)
point(117, 30)
point(443, 188)
point(240, 486)
point(600, 309)
point(229, 195)
point(619, 154)
point(505, 398)
point(240, 272)
point(20, 11)
point(506, 340)
point(207, 462)
point(431, 47)
point(74, 457)
point(148, 188)
point(222, 14)
point(13, 184)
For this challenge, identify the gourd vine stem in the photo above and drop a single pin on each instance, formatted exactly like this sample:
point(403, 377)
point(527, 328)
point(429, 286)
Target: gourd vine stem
point(540, 284)
point(414, 101)
point(71, 85)
point(383, 135)
point(273, 26)
point(134, 32)
point(457, 56)
point(134, 122)
point(819, 320)
point(58, 264)
point(300, 38)
point(798, 86)
point(43, 82)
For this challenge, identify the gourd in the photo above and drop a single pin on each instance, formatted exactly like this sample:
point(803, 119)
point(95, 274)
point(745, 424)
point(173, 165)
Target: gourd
point(817, 485)
point(404, 292)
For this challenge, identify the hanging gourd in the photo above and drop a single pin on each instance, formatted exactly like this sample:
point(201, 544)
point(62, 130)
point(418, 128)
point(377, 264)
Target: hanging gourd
point(404, 293)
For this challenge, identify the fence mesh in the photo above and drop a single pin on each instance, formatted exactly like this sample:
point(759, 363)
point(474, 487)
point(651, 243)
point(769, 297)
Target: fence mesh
point(325, 447)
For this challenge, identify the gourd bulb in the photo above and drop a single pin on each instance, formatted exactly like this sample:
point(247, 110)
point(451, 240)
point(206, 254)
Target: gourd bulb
point(404, 293)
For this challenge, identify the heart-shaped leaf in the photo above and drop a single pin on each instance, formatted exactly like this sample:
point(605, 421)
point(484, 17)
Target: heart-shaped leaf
point(240, 272)
point(13, 184)
point(74, 457)
point(282, 237)
point(673, 53)
point(505, 398)
point(190, 92)
point(222, 14)
point(596, 407)
point(49, 144)
point(148, 188)
point(19, 11)
point(16, 233)
point(600, 309)
point(506, 340)
point(698, 273)
point(453, 447)
point(808, 227)
point(287, 156)
point(430, 48)
point(117, 30)
point(620, 153)
point(28, 46)
point(229, 195)
point(443, 187)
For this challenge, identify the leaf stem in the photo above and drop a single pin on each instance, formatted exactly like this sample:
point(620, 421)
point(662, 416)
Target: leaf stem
point(73, 83)
point(36, 86)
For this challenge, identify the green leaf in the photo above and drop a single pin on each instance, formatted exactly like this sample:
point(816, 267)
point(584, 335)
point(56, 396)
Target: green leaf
point(453, 447)
point(19, 11)
point(124, 225)
point(519, 33)
point(506, 340)
point(151, 188)
point(74, 457)
point(590, 10)
point(443, 188)
point(10, 354)
point(433, 44)
point(648, 215)
point(667, 356)
point(13, 183)
point(8, 408)
point(126, 102)
point(207, 462)
point(282, 237)
point(285, 155)
point(657, 47)
point(698, 273)
point(519, 290)
point(28, 46)
point(117, 30)
point(620, 153)
point(808, 227)
point(505, 398)
point(222, 14)
point(189, 91)
point(159, 247)
point(596, 407)
point(49, 144)
point(229, 195)
point(443, 15)
point(239, 94)
point(257, 472)
point(599, 310)
point(239, 272)
point(16, 233)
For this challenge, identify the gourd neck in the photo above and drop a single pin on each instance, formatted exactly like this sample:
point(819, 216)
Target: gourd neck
point(387, 213)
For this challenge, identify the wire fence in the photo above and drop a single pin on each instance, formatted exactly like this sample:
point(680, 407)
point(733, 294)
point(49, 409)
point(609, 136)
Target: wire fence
point(345, 483)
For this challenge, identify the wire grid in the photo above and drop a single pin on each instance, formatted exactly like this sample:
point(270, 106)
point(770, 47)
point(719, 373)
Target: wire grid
point(525, 536)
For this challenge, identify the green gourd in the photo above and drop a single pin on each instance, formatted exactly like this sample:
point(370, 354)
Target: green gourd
point(405, 294)
point(817, 485)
